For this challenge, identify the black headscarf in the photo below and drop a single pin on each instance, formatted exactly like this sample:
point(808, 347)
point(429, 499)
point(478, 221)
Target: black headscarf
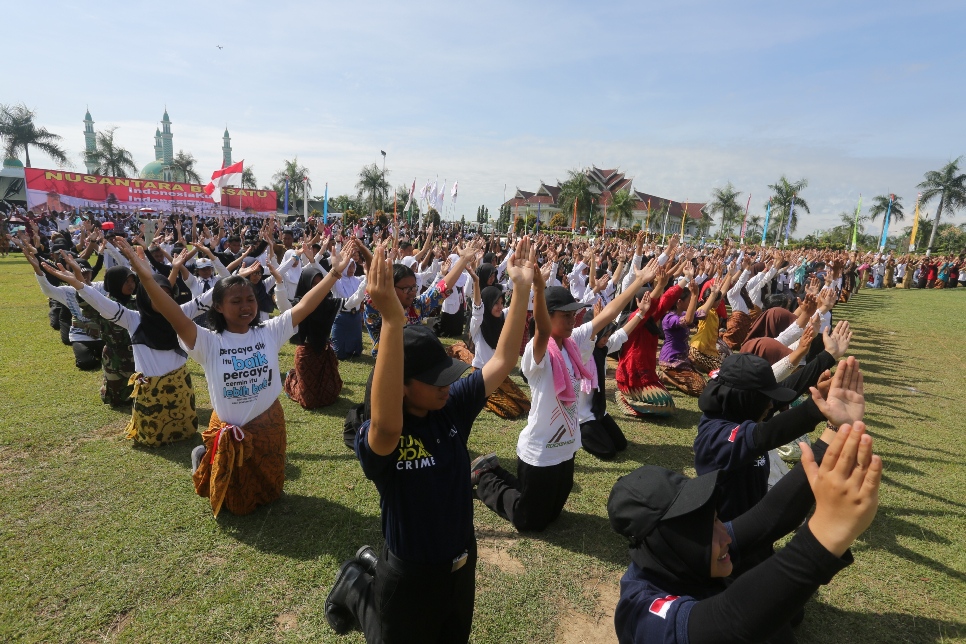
point(316, 328)
point(484, 272)
point(114, 279)
point(492, 326)
point(676, 555)
point(155, 331)
point(737, 405)
point(265, 301)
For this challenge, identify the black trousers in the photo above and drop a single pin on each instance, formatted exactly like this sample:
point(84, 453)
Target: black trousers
point(414, 603)
point(451, 324)
point(533, 498)
point(602, 438)
point(87, 355)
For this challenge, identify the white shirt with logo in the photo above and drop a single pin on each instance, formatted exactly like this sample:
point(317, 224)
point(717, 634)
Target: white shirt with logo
point(242, 368)
point(552, 434)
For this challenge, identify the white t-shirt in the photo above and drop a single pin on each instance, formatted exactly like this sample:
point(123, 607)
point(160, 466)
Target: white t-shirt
point(552, 434)
point(483, 351)
point(150, 362)
point(242, 368)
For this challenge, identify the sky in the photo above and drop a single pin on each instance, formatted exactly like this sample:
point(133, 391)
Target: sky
point(857, 97)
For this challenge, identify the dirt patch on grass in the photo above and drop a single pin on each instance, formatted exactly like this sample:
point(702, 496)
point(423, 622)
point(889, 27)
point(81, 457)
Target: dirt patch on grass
point(121, 621)
point(576, 627)
point(286, 622)
point(499, 557)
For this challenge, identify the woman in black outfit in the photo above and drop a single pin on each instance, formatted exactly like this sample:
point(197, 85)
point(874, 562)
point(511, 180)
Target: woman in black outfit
point(675, 589)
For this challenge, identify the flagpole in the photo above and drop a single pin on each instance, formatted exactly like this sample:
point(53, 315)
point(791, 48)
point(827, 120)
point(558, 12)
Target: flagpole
point(855, 226)
point(915, 227)
point(744, 221)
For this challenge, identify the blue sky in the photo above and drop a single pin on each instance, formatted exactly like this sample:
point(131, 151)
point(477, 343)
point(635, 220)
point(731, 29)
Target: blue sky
point(859, 97)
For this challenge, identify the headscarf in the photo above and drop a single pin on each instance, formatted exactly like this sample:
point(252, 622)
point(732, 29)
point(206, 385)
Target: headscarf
point(736, 405)
point(768, 348)
point(114, 279)
point(770, 324)
point(155, 331)
point(316, 328)
point(676, 555)
point(265, 302)
point(492, 326)
point(484, 272)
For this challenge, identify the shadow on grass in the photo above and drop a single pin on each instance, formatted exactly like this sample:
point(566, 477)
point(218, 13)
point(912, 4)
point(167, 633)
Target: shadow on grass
point(303, 527)
point(585, 534)
point(874, 627)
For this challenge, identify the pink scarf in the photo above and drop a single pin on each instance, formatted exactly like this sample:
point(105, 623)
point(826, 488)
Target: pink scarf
point(561, 377)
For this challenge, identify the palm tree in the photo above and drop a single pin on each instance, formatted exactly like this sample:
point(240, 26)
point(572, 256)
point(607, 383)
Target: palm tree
point(248, 178)
point(950, 186)
point(725, 201)
point(880, 205)
point(781, 202)
point(754, 226)
point(622, 205)
point(183, 165)
point(295, 173)
point(577, 187)
point(18, 132)
point(110, 159)
point(372, 181)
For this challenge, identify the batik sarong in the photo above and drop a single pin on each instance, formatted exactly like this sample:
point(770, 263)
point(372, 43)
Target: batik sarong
point(315, 381)
point(164, 408)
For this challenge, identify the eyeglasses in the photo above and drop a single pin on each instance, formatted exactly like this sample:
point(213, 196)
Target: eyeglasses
point(408, 289)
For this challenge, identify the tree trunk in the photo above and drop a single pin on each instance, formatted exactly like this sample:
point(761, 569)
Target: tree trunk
point(935, 224)
point(26, 153)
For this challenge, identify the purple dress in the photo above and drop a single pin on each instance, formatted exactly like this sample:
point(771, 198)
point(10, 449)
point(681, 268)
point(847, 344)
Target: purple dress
point(674, 353)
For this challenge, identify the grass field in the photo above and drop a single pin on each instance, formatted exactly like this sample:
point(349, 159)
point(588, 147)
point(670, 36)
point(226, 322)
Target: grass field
point(104, 541)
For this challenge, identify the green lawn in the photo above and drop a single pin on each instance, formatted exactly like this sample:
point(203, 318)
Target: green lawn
point(103, 541)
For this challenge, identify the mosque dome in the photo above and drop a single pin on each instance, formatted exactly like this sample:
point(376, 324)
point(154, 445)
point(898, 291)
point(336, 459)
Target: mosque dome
point(153, 170)
point(12, 163)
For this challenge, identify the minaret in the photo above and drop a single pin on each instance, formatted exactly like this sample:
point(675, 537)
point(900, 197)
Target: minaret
point(167, 145)
point(226, 151)
point(158, 148)
point(90, 142)
point(167, 142)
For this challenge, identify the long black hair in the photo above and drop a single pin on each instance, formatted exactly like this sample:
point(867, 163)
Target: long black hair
point(216, 321)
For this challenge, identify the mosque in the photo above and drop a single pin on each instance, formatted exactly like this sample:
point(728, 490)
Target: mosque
point(162, 168)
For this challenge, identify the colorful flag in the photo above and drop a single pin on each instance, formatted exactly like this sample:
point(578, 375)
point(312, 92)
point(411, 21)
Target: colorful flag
point(764, 227)
point(573, 226)
point(412, 192)
point(744, 222)
point(885, 225)
point(325, 205)
point(286, 195)
point(855, 227)
point(915, 226)
point(230, 176)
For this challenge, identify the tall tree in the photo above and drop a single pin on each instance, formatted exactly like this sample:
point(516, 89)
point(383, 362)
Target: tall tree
point(783, 193)
point(724, 201)
point(621, 206)
point(577, 187)
point(372, 186)
point(482, 215)
point(248, 178)
point(184, 167)
point(296, 186)
point(341, 203)
point(111, 159)
point(18, 132)
point(949, 184)
point(754, 226)
point(880, 205)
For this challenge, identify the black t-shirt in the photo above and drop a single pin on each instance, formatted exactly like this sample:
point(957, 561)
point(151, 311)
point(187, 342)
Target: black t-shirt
point(424, 486)
point(730, 447)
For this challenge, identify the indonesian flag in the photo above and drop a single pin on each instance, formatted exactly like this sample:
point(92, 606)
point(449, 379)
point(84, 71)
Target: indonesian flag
point(455, 191)
point(412, 193)
point(230, 176)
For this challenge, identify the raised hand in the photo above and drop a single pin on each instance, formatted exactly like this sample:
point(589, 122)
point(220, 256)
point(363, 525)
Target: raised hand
point(647, 273)
point(382, 289)
point(138, 263)
point(837, 342)
point(256, 267)
point(522, 266)
point(845, 401)
point(63, 275)
point(341, 259)
point(846, 488)
point(644, 304)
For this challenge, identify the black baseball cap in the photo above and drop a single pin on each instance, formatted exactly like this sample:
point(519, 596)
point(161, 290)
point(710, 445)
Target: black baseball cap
point(748, 372)
point(650, 494)
point(426, 360)
point(561, 299)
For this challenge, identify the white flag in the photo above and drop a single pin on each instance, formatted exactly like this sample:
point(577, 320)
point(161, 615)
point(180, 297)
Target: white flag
point(424, 191)
point(432, 195)
point(454, 193)
point(442, 195)
point(412, 191)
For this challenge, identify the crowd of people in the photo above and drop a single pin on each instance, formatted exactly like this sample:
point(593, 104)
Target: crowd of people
point(746, 330)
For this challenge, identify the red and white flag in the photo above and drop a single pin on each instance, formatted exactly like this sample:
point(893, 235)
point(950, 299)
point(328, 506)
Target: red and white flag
point(412, 193)
point(230, 176)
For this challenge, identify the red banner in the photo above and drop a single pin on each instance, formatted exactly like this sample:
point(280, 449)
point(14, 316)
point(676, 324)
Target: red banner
point(57, 190)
